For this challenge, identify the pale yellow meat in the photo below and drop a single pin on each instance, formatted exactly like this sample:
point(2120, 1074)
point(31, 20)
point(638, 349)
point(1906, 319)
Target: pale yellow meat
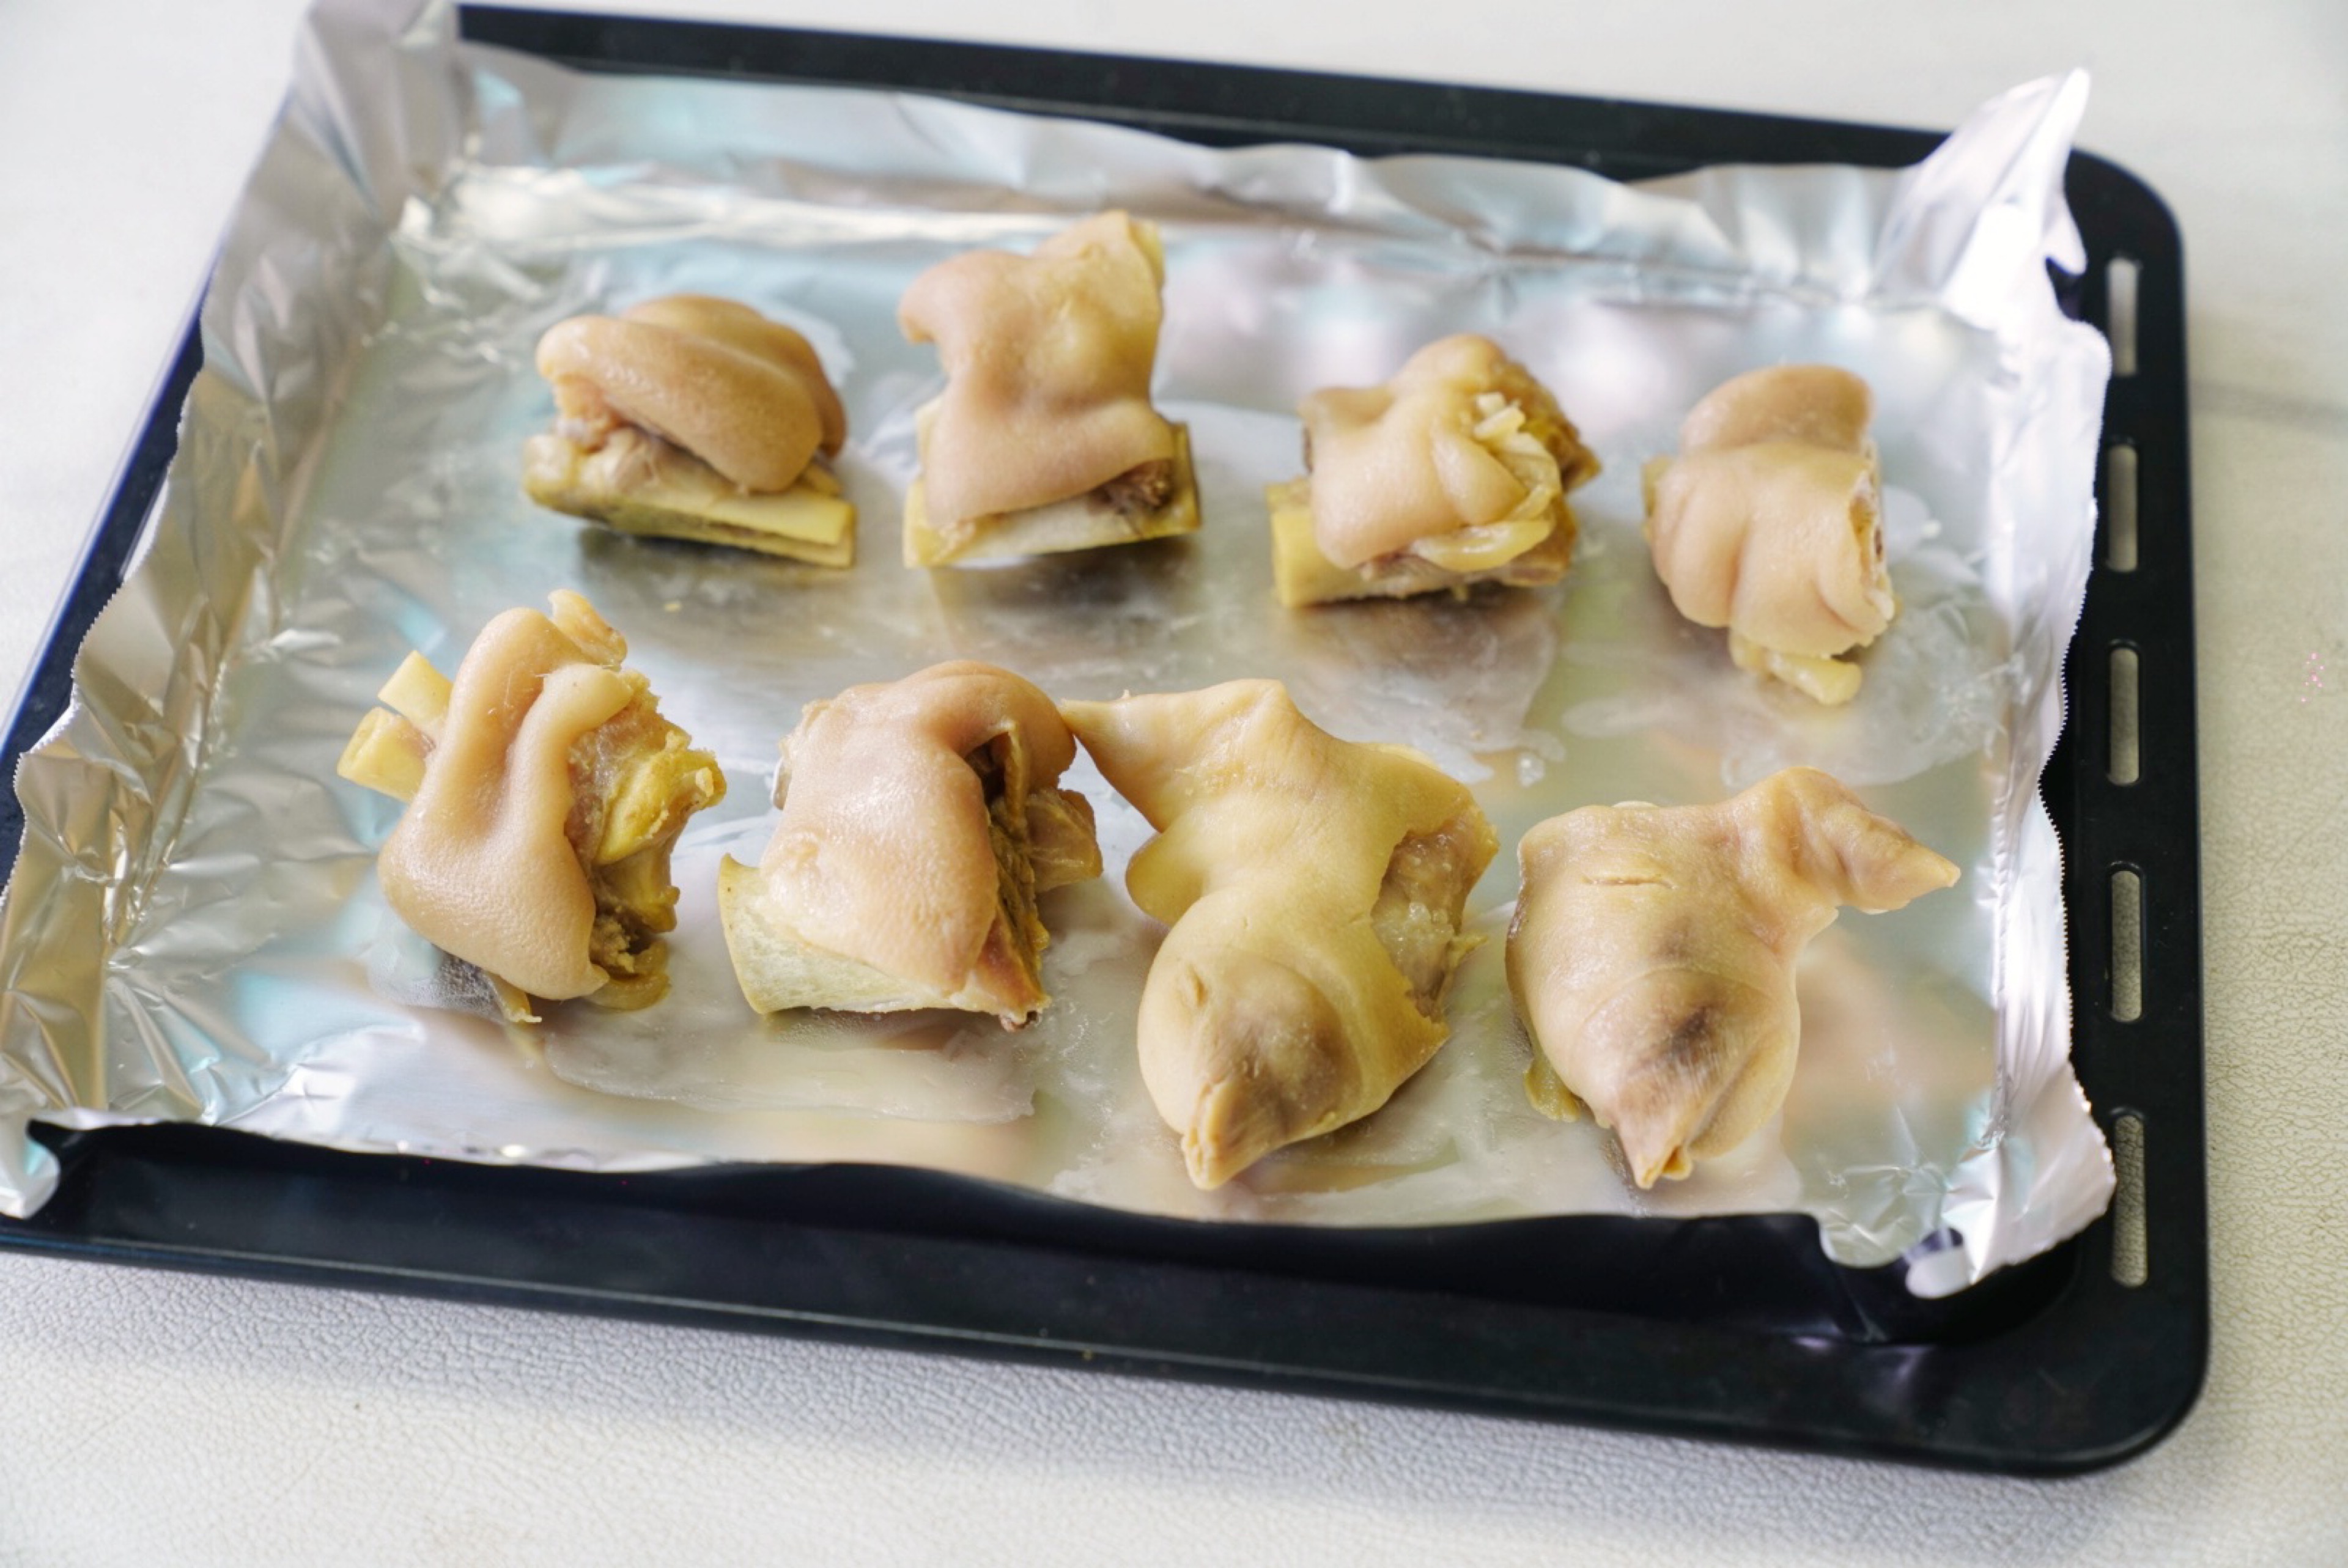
point(545, 793)
point(1315, 889)
point(1462, 459)
point(1049, 359)
point(1770, 523)
point(639, 484)
point(919, 819)
point(1652, 954)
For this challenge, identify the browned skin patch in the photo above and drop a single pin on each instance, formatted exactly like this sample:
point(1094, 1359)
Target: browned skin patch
point(1015, 946)
point(1690, 1040)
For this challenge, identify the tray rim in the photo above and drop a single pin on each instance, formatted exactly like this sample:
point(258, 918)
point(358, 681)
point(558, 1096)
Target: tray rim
point(2151, 1069)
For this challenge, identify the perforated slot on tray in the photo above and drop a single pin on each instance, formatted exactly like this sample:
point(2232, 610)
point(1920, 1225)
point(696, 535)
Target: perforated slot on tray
point(2119, 507)
point(2122, 758)
point(2131, 1261)
point(2119, 281)
point(2127, 945)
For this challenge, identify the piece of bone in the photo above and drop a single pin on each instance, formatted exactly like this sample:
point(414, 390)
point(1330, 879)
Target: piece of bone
point(696, 418)
point(1045, 439)
point(920, 818)
point(1453, 473)
point(1315, 890)
point(544, 796)
point(1652, 954)
point(1770, 523)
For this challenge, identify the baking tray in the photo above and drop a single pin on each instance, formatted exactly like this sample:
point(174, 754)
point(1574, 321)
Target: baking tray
point(1731, 1328)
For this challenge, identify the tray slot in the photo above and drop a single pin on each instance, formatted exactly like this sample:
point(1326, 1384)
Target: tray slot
point(2119, 506)
point(2131, 1253)
point(2120, 277)
point(2127, 944)
point(2123, 760)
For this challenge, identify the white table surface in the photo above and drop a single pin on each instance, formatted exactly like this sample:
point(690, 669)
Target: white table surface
point(155, 1418)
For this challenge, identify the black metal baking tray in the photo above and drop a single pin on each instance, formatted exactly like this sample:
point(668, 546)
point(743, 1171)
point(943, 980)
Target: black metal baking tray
point(1736, 1328)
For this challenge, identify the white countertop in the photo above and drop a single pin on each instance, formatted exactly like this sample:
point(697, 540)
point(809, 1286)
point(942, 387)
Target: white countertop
point(159, 1417)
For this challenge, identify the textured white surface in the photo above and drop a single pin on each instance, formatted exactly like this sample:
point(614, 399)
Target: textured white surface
point(156, 1418)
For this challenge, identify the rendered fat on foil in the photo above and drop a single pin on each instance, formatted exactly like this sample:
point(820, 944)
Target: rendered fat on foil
point(194, 929)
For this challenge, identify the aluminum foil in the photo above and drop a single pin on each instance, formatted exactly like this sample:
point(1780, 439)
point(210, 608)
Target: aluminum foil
point(194, 931)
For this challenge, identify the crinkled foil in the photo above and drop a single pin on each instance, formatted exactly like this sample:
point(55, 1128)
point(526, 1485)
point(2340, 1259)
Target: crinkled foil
point(194, 931)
